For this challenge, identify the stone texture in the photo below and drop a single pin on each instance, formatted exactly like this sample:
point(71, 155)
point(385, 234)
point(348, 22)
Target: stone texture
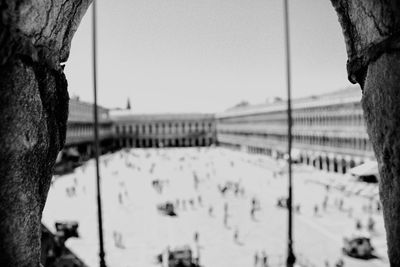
point(35, 38)
point(371, 30)
point(381, 101)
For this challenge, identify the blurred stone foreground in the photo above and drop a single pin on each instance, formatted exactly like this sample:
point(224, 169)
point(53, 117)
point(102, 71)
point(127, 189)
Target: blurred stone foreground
point(35, 38)
point(371, 32)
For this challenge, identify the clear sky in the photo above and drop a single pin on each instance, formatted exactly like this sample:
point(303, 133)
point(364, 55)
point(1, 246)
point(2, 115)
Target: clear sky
point(205, 55)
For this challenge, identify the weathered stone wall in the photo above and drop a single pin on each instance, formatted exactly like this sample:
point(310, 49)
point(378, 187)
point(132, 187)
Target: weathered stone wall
point(35, 38)
point(372, 35)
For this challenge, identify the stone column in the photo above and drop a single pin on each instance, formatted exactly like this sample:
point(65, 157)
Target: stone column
point(35, 38)
point(372, 36)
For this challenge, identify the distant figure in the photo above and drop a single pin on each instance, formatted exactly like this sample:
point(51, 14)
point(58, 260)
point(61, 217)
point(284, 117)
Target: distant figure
point(210, 211)
point(120, 200)
point(253, 202)
point(195, 181)
point(297, 208)
point(325, 203)
point(222, 189)
point(199, 199)
point(196, 237)
point(236, 235)
point(341, 203)
point(118, 240)
point(252, 211)
point(264, 259)
point(256, 259)
point(378, 206)
point(237, 188)
point(358, 224)
point(371, 224)
point(191, 202)
point(339, 263)
point(316, 210)
point(226, 214)
point(159, 258)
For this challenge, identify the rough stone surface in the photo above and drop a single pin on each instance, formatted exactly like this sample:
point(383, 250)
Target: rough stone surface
point(35, 37)
point(381, 101)
point(370, 28)
point(41, 30)
point(372, 35)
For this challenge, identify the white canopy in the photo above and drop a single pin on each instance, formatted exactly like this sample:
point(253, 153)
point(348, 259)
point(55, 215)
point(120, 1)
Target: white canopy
point(366, 169)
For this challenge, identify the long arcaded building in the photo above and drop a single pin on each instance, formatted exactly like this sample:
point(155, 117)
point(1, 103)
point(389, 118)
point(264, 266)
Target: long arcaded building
point(163, 130)
point(328, 130)
point(80, 128)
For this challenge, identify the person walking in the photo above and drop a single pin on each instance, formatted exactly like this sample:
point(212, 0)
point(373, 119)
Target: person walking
point(200, 200)
point(264, 259)
point(226, 214)
point(210, 211)
point(358, 224)
point(339, 263)
point(252, 211)
point(325, 203)
point(236, 236)
point(371, 224)
point(256, 259)
point(316, 210)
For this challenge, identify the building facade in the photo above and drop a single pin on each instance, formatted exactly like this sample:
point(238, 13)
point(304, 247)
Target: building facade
point(80, 126)
point(163, 130)
point(328, 130)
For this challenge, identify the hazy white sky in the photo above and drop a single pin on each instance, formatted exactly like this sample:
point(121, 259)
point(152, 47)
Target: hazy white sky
point(205, 55)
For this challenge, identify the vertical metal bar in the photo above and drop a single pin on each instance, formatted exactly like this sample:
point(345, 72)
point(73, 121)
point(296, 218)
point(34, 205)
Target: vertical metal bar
point(291, 259)
point(96, 138)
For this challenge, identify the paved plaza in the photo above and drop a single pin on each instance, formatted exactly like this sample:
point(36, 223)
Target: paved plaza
point(213, 190)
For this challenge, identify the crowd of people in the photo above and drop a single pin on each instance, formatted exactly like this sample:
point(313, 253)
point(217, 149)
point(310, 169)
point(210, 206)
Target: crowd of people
point(229, 190)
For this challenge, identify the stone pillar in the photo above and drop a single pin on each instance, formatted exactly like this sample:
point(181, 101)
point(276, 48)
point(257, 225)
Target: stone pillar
point(372, 39)
point(35, 38)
